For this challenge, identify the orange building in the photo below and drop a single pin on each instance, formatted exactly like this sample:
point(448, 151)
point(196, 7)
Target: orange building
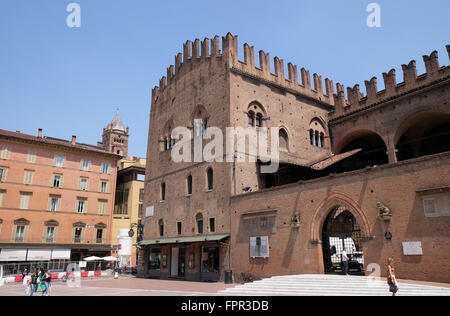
point(56, 198)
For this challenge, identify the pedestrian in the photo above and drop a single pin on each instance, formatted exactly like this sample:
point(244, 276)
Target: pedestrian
point(41, 281)
point(345, 261)
point(24, 273)
point(47, 282)
point(391, 279)
point(33, 282)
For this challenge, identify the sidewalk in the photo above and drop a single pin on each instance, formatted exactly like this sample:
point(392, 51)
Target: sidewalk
point(155, 284)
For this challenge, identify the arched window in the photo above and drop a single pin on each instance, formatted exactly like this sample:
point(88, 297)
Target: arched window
point(189, 185)
point(167, 140)
point(317, 133)
point(200, 119)
point(210, 179)
point(256, 115)
point(284, 140)
point(199, 220)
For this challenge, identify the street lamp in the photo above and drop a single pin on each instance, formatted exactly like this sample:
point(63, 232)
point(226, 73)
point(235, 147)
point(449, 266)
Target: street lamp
point(140, 231)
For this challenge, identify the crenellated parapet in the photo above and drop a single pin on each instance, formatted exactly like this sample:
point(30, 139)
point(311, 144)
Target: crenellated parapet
point(279, 78)
point(411, 82)
point(208, 50)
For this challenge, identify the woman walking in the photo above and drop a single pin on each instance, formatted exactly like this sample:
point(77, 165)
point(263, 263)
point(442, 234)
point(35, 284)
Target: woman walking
point(41, 281)
point(33, 282)
point(47, 282)
point(392, 280)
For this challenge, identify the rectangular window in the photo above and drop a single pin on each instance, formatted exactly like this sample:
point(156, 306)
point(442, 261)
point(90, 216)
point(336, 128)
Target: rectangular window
point(140, 177)
point(99, 238)
point(6, 152)
point(141, 195)
point(20, 233)
point(31, 156)
point(200, 226)
point(1, 197)
point(154, 260)
point(179, 226)
point(102, 206)
point(59, 161)
point(24, 200)
point(212, 225)
point(161, 229)
point(57, 181)
point(28, 177)
point(259, 247)
point(141, 210)
point(86, 165)
point(84, 184)
point(50, 234)
point(3, 174)
point(210, 259)
point(104, 186)
point(78, 232)
point(81, 206)
point(106, 168)
point(53, 203)
point(163, 191)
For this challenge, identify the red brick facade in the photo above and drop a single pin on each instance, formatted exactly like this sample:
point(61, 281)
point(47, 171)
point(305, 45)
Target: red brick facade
point(347, 152)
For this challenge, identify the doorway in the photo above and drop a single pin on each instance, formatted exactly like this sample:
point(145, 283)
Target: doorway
point(178, 262)
point(340, 230)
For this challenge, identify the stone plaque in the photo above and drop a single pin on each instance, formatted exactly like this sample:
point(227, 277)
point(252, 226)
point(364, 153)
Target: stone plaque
point(412, 248)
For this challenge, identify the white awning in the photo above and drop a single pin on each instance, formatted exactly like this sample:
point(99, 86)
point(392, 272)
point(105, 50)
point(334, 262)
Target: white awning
point(60, 254)
point(9, 255)
point(39, 254)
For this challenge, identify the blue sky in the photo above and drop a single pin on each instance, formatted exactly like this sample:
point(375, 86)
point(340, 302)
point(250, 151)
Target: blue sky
point(69, 81)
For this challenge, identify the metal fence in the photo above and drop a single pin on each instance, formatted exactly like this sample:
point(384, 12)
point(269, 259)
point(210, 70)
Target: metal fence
point(55, 266)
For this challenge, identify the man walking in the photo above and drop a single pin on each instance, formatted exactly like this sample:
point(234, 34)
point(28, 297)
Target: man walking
point(345, 261)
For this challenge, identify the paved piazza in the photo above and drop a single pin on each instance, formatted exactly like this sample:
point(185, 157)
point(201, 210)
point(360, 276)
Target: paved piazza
point(301, 285)
point(124, 287)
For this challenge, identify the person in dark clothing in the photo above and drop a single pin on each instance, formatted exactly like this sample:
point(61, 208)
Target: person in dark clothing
point(47, 282)
point(24, 273)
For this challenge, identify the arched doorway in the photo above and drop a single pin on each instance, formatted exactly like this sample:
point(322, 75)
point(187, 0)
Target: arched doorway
point(341, 229)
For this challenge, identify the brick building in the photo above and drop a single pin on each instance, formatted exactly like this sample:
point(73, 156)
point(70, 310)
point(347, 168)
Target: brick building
point(366, 172)
point(56, 198)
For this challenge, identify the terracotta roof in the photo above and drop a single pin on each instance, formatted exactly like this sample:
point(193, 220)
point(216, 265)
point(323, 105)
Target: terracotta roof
point(55, 142)
point(333, 159)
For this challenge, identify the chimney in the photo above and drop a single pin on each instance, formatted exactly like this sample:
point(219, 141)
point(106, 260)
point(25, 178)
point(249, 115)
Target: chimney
point(40, 132)
point(74, 139)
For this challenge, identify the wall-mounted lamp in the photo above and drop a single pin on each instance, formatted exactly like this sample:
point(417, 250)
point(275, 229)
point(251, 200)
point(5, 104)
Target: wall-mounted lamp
point(388, 235)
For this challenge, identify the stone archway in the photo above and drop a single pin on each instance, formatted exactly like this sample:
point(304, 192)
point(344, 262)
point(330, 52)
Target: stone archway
point(322, 214)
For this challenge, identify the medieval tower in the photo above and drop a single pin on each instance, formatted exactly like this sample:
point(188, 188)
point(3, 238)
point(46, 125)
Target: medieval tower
point(115, 137)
